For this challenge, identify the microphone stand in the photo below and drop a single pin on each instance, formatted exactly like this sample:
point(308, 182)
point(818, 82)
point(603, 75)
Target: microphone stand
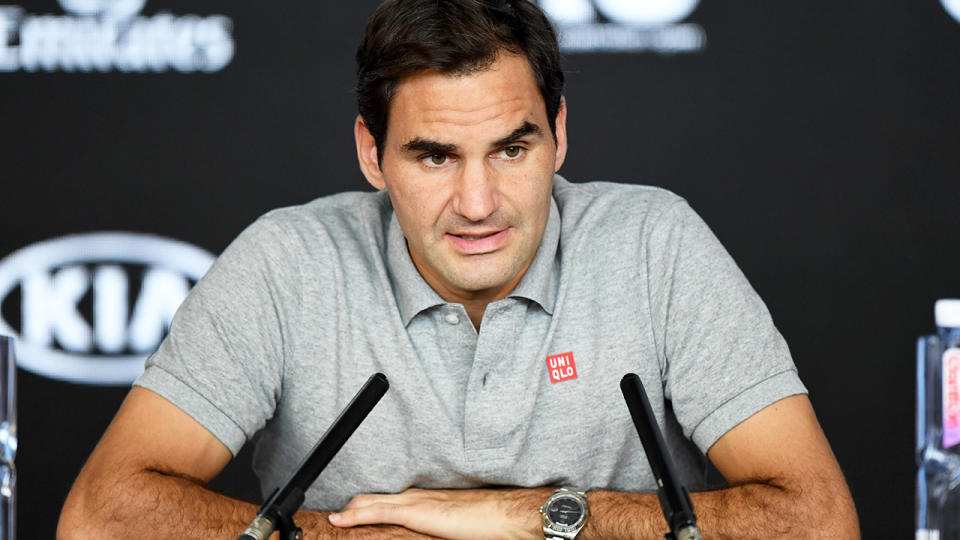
point(277, 513)
point(674, 498)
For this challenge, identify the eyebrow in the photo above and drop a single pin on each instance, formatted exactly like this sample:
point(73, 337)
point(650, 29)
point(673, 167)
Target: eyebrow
point(420, 145)
point(526, 129)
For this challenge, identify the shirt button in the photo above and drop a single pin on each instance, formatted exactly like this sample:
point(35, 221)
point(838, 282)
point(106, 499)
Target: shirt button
point(452, 318)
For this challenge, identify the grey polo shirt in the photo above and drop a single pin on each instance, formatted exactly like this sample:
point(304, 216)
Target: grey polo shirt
point(309, 301)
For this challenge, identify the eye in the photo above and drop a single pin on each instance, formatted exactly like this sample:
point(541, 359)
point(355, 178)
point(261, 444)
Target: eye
point(435, 160)
point(510, 152)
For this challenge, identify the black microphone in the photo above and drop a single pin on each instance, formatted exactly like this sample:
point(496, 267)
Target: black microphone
point(277, 512)
point(674, 498)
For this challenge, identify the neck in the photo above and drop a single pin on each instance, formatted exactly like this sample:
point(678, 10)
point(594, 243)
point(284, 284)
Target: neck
point(475, 302)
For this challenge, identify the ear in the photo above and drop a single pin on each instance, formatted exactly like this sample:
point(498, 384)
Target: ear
point(367, 154)
point(561, 130)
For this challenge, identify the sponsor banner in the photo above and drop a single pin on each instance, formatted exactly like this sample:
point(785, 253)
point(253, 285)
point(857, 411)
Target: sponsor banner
point(111, 35)
point(625, 25)
point(89, 308)
point(953, 8)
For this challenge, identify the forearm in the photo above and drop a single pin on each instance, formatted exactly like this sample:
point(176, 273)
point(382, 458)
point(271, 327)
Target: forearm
point(756, 510)
point(151, 504)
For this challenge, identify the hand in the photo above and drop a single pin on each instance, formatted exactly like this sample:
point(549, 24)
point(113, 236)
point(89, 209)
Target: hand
point(453, 514)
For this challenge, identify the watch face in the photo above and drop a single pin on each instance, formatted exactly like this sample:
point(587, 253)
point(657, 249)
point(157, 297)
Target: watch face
point(564, 511)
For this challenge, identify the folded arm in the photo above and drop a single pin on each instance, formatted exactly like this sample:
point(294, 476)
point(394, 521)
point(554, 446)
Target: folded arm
point(785, 483)
point(147, 478)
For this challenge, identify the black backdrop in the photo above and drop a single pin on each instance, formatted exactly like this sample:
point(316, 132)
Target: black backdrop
point(819, 140)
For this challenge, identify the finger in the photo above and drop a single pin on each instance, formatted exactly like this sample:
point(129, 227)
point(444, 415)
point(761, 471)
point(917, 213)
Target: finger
point(367, 499)
point(358, 501)
point(378, 513)
point(407, 496)
point(418, 494)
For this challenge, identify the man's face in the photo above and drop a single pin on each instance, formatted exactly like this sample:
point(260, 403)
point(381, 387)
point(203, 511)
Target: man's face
point(468, 162)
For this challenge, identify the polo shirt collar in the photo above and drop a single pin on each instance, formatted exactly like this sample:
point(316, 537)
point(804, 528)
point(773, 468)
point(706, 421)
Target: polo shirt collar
point(411, 291)
point(540, 282)
point(414, 295)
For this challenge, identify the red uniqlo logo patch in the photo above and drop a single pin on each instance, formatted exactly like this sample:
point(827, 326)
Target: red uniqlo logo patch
point(561, 367)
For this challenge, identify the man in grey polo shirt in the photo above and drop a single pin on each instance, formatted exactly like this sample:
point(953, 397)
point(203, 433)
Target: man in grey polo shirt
point(503, 302)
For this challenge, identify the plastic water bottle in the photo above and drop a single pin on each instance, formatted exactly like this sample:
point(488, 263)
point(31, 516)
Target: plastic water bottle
point(947, 314)
point(938, 427)
point(8, 438)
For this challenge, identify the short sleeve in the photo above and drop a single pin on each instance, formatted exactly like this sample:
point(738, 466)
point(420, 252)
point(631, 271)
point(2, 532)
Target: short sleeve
point(722, 357)
point(223, 358)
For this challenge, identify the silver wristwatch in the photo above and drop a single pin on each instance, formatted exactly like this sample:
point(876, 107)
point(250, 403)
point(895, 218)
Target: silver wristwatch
point(564, 514)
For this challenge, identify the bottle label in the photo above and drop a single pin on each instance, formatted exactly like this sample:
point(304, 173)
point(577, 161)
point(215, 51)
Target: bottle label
point(951, 397)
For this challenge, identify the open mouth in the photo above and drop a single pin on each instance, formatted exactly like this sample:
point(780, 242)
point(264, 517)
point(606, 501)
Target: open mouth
point(475, 244)
point(473, 237)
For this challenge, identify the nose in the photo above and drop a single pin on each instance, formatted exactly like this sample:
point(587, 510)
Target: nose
point(476, 192)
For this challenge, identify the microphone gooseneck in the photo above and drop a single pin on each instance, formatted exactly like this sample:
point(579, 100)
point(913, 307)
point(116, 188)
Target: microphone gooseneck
point(277, 513)
point(674, 498)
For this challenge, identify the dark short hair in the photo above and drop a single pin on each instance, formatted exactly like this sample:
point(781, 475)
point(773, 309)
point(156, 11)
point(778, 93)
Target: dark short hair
point(456, 37)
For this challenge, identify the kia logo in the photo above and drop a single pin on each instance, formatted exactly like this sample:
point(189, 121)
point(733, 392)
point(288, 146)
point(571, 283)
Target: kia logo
point(93, 306)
